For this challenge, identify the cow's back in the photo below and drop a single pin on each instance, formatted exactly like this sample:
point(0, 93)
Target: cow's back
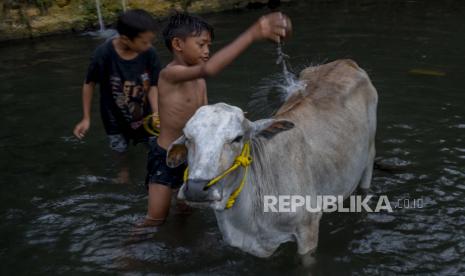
point(328, 86)
point(335, 124)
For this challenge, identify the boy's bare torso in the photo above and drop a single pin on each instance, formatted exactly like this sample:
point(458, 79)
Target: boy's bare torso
point(176, 105)
point(181, 85)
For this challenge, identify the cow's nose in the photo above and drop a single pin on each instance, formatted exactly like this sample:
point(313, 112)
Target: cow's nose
point(196, 190)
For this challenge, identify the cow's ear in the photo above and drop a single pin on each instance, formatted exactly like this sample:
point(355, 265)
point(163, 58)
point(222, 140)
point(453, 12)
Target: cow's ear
point(177, 152)
point(269, 127)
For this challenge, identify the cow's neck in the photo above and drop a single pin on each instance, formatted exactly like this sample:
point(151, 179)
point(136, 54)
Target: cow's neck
point(241, 224)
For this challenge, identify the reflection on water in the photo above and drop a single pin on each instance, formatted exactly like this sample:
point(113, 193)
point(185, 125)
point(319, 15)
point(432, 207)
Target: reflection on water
point(60, 212)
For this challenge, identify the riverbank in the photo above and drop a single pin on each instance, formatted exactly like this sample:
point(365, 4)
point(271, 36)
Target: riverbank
point(30, 19)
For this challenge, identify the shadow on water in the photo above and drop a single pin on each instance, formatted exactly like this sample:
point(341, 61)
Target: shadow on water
point(60, 212)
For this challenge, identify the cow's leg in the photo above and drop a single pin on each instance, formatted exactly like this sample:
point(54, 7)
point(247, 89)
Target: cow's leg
point(368, 173)
point(307, 234)
point(307, 239)
point(307, 260)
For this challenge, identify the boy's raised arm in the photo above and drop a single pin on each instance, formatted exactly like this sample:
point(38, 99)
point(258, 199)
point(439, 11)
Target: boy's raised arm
point(272, 26)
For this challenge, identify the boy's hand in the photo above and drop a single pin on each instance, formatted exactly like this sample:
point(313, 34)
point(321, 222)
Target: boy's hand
point(156, 120)
point(81, 128)
point(274, 26)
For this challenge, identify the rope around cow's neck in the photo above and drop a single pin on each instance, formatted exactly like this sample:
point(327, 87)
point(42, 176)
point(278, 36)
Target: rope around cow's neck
point(244, 159)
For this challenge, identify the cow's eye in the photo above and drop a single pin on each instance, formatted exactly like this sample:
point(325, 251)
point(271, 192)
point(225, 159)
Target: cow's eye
point(237, 139)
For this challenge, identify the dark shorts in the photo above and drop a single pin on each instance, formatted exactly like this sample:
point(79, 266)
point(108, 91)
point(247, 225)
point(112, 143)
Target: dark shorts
point(157, 170)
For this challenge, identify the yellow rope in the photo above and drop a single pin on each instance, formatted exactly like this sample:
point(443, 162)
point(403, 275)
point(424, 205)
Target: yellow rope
point(152, 129)
point(244, 160)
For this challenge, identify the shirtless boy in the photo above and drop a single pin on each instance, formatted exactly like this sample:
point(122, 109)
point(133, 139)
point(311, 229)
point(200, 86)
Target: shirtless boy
point(182, 90)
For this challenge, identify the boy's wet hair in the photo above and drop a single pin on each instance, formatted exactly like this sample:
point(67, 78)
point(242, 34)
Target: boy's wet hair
point(134, 22)
point(183, 25)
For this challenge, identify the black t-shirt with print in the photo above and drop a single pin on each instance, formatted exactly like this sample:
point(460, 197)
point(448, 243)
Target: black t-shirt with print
point(124, 86)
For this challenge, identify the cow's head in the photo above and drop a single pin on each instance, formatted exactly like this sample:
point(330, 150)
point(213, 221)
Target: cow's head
point(212, 139)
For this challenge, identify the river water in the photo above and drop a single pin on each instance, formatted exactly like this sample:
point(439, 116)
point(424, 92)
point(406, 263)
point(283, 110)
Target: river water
point(61, 213)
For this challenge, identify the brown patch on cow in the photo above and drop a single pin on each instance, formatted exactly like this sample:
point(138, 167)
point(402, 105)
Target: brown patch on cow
point(176, 156)
point(276, 127)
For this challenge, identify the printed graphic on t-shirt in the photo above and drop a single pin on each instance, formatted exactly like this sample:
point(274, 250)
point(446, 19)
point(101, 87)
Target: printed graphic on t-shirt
point(131, 97)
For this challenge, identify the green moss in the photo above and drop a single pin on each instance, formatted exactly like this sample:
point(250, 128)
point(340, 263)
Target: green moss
point(58, 16)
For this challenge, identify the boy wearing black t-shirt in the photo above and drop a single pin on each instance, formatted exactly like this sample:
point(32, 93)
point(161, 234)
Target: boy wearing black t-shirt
point(126, 68)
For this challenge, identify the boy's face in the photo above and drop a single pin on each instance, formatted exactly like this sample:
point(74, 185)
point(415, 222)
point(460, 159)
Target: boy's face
point(196, 49)
point(140, 43)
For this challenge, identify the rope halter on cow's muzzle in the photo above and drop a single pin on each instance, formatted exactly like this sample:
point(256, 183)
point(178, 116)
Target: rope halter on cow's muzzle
point(244, 160)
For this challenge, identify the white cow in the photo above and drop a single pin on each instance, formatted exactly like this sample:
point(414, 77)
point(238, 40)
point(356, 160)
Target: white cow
point(320, 142)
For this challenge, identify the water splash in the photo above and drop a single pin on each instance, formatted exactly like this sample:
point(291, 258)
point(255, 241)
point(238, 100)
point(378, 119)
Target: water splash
point(292, 84)
point(282, 59)
point(107, 34)
point(274, 90)
point(92, 179)
point(124, 4)
point(103, 32)
point(99, 14)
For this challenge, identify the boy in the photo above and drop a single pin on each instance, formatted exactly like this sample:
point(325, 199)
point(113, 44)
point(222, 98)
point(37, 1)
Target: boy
point(182, 90)
point(127, 68)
